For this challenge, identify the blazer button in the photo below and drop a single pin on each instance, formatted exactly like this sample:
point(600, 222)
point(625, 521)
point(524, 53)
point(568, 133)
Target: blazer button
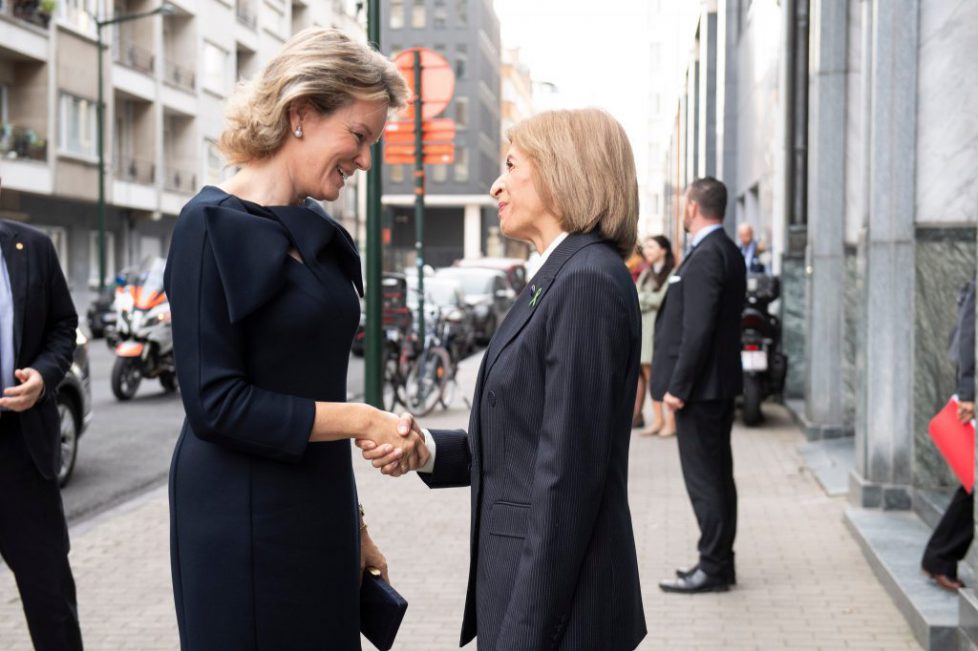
point(492, 398)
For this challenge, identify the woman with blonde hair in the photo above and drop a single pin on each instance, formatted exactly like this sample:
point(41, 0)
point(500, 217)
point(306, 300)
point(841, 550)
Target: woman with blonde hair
point(267, 542)
point(553, 563)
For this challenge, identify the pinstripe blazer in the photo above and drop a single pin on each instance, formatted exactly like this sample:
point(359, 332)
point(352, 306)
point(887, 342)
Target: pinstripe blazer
point(553, 563)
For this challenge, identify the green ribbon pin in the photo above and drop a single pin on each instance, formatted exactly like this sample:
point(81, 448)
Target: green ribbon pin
point(536, 296)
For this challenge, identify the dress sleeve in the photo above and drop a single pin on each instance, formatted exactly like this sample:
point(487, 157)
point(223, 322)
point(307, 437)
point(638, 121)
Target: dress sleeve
point(223, 264)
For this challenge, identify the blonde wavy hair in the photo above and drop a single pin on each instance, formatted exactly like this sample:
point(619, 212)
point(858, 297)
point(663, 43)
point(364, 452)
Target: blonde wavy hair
point(322, 68)
point(585, 172)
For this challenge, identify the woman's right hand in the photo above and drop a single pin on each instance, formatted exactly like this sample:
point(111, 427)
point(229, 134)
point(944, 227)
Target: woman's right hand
point(394, 440)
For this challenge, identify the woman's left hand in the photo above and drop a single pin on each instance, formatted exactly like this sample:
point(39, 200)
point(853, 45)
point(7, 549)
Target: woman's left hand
point(370, 556)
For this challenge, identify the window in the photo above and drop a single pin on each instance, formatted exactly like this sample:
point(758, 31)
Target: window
point(397, 14)
point(417, 14)
point(214, 172)
point(59, 237)
point(439, 17)
point(3, 104)
point(461, 58)
point(77, 133)
point(93, 258)
point(78, 14)
point(461, 165)
point(439, 173)
point(462, 13)
point(397, 174)
point(215, 68)
point(462, 112)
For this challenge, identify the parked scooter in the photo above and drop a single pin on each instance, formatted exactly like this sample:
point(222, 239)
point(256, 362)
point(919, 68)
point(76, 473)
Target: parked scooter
point(143, 335)
point(765, 366)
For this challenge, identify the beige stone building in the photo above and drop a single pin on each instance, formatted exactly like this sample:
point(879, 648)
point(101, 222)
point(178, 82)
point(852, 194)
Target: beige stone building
point(166, 80)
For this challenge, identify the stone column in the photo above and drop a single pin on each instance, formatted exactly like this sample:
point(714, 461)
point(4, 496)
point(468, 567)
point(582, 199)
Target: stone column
point(472, 233)
point(884, 451)
point(825, 277)
point(707, 136)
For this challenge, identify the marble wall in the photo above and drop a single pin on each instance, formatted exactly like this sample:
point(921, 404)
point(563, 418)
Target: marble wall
point(793, 324)
point(945, 259)
point(852, 319)
point(947, 103)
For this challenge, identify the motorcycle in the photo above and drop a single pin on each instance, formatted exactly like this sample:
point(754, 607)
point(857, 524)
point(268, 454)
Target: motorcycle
point(765, 366)
point(143, 335)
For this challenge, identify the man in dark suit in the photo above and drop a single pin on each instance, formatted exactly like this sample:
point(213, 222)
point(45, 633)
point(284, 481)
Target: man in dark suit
point(37, 339)
point(698, 375)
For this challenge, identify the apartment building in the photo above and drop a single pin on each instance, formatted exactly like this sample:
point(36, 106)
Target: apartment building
point(460, 218)
point(167, 77)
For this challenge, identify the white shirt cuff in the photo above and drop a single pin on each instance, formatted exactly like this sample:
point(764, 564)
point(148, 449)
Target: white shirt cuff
point(429, 442)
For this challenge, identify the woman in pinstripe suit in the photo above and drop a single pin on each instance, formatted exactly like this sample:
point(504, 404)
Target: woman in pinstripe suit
point(553, 562)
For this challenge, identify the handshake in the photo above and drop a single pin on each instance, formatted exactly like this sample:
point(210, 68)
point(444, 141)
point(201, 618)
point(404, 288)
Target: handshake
point(395, 445)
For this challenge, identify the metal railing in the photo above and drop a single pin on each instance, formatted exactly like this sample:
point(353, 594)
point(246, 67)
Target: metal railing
point(180, 179)
point(179, 76)
point(27, 10)
point(135, 170)
point(246, 14)
point(133, 56)
point(22, 143)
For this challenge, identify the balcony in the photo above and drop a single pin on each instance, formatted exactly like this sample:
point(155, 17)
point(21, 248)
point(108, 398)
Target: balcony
point(245, 12)
point(134, 56)
point(34, 12)
point(134, 170)
point(180, 179)
point(20, 143)
point(179, 76)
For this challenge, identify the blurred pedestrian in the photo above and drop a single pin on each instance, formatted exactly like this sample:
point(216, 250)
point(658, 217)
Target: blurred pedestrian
point(652, 285)
point(953, 535)
point(697, 340)
point(636, 262)
point(37, 340)
point(267, 545)
point(749, 248)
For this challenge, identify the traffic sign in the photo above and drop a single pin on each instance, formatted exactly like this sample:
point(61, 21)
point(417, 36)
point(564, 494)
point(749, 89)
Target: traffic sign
point(437, 81)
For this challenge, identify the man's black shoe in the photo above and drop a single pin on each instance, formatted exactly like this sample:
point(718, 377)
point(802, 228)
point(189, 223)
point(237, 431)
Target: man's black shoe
point(686, 572)
point(698, 581)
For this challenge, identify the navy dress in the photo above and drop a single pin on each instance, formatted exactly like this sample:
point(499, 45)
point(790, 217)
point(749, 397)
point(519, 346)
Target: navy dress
point(263, 524)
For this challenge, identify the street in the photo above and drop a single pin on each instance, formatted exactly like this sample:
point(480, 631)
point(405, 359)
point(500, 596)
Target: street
point(127, 447)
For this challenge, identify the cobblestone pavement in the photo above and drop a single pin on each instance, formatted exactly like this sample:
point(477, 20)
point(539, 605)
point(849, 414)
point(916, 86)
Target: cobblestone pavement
point(803, 583)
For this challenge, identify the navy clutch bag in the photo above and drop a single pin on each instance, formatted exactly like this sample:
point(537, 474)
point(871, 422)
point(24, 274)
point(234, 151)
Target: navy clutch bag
point(381, 611)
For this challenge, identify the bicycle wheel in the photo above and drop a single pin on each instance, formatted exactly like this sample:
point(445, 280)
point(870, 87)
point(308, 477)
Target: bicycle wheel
point(426, 381)
point(393, 386)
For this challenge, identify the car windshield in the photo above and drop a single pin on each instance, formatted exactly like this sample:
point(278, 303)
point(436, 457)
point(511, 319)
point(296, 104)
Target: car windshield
point(439, 292)
point(474, 281)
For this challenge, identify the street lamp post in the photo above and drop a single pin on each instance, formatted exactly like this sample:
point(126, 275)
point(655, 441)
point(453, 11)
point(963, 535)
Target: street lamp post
point(164, 10)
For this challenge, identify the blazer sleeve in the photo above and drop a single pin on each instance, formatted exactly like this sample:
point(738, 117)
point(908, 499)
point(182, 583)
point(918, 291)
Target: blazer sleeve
point(585, 354)
point(966, 348)
point(703, 281)
point(59, 331)
point(646, 295)
point(453, 460)
point(223, 406)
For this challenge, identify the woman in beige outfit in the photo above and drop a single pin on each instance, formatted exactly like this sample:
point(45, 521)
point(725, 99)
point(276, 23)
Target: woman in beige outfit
point(652, 285)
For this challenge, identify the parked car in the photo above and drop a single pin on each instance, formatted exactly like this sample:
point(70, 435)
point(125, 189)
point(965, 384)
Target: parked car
point(74, 399)
point(394, 312)
point(445, 296)
point(514, 268)
point(487, 292)
point(101, 313)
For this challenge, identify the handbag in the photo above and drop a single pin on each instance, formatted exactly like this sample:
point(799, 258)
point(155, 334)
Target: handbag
point(381, 611)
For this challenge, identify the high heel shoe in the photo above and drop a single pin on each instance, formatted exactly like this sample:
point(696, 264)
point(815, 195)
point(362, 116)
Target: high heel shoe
point(666, 432)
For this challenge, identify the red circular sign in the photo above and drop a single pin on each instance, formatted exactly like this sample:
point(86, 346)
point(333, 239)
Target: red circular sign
point(437, 81)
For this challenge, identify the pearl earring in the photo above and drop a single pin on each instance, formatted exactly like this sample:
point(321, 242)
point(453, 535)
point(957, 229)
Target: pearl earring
point(298, 131)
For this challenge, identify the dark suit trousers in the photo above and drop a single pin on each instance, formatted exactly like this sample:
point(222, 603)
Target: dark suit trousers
point(703, 432)
point(34, 544)
point(951, 538)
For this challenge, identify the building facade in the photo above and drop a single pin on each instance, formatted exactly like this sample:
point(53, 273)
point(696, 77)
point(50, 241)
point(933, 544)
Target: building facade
point(166, 81)
point(460, 216)
point(845, 132)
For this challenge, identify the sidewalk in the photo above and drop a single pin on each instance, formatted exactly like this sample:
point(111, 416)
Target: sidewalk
point(803, 583)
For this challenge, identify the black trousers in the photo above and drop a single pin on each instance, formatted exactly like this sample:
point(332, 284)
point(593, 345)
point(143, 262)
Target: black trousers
point(703, 431)
point(34, 544)
point(951, 538)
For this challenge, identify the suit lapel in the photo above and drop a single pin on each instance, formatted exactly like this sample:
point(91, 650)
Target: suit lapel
point(534, 293)
point(15, 255)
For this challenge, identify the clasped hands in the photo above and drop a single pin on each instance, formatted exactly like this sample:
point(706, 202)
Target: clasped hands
point(396, 445)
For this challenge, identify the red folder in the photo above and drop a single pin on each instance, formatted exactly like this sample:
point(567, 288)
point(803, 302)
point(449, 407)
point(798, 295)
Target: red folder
point(956, 441)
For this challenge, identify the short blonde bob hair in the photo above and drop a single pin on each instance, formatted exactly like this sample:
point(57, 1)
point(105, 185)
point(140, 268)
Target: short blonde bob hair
point(585, 172)
point(320, 68)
